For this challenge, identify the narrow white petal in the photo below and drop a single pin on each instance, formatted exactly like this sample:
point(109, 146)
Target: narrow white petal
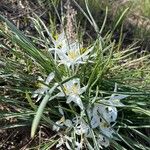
point(95, 122)
point(79, 146)
point(34, 95)
point(39, 97)
point(62, 55)
point(85, 53)
point(39, 91)
point(83, 89)
point(76, 99)
point(118, 97)
point(109, 113)
point(76, 80)
point(112, 114)
point(68, 138)
point(50, 78)
point(70, 99)
point(107, 131)
point(60, 143)
point(55, 128)
point(68, 123)
point(60, 94)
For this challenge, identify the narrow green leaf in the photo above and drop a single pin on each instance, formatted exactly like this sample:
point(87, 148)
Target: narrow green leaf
point(38, 115)
point(30, 101)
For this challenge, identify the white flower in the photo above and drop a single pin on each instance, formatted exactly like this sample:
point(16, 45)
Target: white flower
point(80, 126)
point(64, 140)
point(43, 87)
point(60, 42)
point(58, 124)
point(62, 122)
point(68, 53)
point(73, 91)
point(71, 55)
point(102, 140)
point(106, 129)
point(102, 112)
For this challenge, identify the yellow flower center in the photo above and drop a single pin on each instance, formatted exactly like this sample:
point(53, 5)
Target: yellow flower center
point(39, 85)
point(104, 125)
point(73, 89)
point(72, 55)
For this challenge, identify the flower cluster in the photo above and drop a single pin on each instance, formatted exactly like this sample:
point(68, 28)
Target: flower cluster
point(43, 86)
point(100, 115)
point(69, 54)
point(89, 119)
point(73, 91)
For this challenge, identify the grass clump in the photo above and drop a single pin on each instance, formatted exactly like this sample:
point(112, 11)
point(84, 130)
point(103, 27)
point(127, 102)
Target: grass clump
point(89, 95)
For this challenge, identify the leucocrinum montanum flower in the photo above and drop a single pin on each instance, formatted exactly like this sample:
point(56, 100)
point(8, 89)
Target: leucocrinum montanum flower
point(43, 87)
point(69, 54)
point(73, 91)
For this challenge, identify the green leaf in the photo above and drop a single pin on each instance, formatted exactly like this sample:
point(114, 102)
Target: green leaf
point(38, 115)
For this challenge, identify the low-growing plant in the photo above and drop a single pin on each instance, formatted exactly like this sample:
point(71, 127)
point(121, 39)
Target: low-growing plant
point(92, 96)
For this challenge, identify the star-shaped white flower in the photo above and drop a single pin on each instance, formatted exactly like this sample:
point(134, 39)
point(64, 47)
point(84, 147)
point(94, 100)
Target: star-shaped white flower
point(106, 111)
point(102, 112)
point(43, 87)
point(72, 55)
point(69, 53)
point(72, 90)
point(80, 126)
point(60, 42)
point(62, 122)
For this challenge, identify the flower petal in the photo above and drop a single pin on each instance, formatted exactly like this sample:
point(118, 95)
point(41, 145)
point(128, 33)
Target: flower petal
point(118, 97)
point(76, 99)
point(68, 123)
point(110, 114)
point(95, 121)
point(102, 140)
point(50, 78)
point(83, 89)
point(60, 94)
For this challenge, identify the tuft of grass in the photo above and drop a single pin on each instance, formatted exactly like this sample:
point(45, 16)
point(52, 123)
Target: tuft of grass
point(111, 68)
